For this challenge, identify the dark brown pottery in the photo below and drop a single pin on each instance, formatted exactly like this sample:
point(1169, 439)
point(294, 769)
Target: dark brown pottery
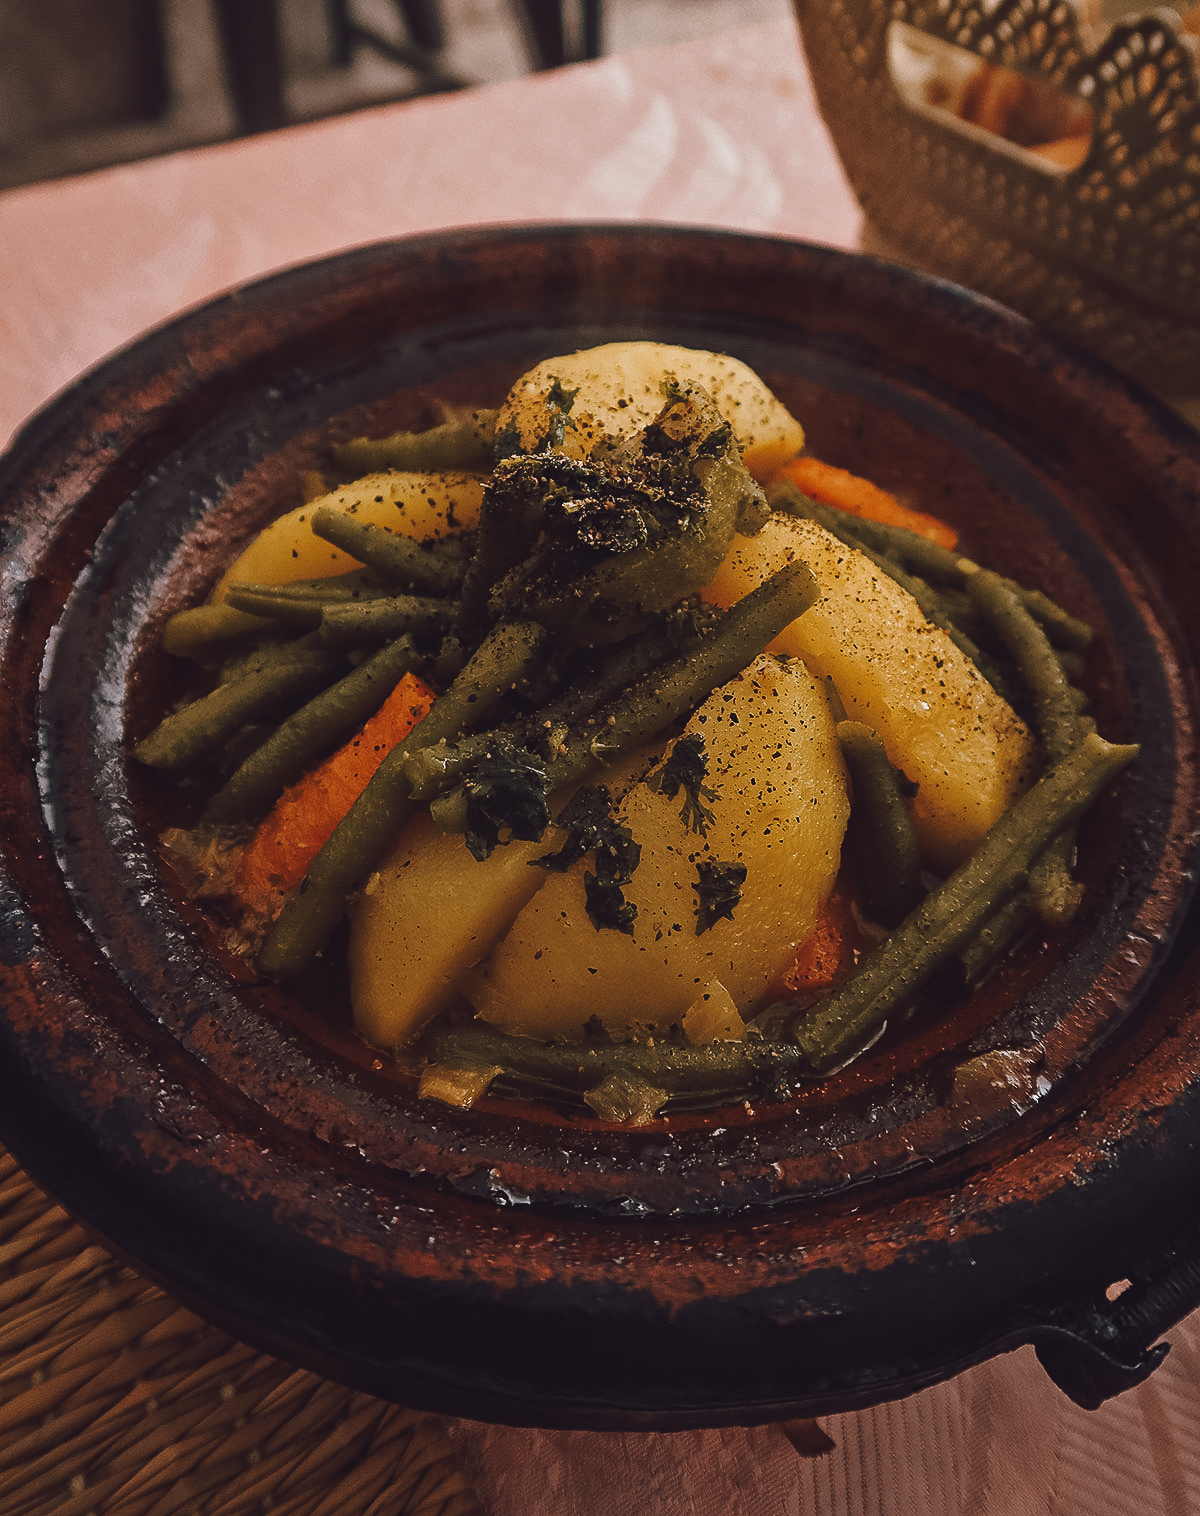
point(979, 1180)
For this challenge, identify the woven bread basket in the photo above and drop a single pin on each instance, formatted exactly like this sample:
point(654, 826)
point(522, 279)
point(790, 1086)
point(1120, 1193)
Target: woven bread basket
point(115, 1401)
point(1107, 251)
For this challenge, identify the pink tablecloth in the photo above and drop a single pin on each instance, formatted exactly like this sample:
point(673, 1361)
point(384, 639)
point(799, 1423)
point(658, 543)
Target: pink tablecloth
point(1000, 1440)
point(722, 132)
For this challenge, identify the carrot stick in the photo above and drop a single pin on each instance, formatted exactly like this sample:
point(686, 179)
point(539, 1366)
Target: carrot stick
point(830, 954)
point(306, 814)
point(859, 497)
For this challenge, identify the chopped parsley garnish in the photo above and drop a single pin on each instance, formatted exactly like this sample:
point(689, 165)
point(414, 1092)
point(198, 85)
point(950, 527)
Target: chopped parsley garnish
point(717, 443)
point(686, 769)
point(607, 907)
point(508, 443)
point(605, 507)
point(558, 402)
point(611, 508)
point(719, 888)
point(592, 828)
point(507, 792)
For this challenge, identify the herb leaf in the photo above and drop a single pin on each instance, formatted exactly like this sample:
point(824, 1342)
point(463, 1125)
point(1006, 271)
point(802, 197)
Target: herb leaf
point(607, 907)
point(719, 887)
point(592, 828)
point(506, 791)
point(686, 769)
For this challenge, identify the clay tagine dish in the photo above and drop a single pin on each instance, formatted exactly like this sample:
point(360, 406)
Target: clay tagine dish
point(1018, 1167)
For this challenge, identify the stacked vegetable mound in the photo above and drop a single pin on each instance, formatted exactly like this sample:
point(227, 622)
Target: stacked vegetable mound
point(651, 728)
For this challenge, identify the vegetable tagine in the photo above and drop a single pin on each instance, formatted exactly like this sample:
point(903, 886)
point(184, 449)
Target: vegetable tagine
point(627, 753)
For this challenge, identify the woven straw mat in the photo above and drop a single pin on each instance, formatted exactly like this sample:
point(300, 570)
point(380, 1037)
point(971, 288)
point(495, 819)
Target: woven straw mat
point(116, 1401)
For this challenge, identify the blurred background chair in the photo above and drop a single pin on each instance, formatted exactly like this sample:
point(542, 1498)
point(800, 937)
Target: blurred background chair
point(85, 83)
point(250, 32)
point(80, 65)
point(252, 49)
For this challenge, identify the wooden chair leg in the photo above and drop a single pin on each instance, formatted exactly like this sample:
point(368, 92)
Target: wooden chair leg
point(153, 72)
point(546, 33)
point(542, 23)
point(423, 18)
point(249, 31)
point(592, 40)
point(341, 33)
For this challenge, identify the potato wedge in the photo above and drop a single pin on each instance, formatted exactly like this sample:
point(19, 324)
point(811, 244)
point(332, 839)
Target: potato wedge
point(432, 910)
point(939, 719)
point(619, 389)
point(422, 506)
point(780, 809)
point(429, 912)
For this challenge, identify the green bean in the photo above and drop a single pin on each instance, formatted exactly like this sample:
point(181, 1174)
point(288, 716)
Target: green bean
point(548, 675)
point(920, 555)
point(1063, 629)
point(371, 622)
point(355, 584)
point(1056, 713)
point(352, 584)
point(268, 648)
point(199, 729)
point(1053, 893)
point(881, 834)
point(964, 614)
point(465, 442)
point(208, 633)
point(448, 662)
point(510, 518)
point(262, 601)
point(307, 734)
point(614, 670)
point(433, 771)
point(850, 1018)
point(720, 1070)
point(385, 806)
point(909, 549)
point(995, 934)
point(434, 568)
point(684, 681)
